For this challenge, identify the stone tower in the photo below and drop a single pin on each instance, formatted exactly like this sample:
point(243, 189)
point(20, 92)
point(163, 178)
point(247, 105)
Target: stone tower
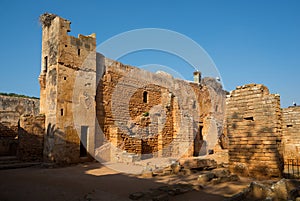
point(68, 90)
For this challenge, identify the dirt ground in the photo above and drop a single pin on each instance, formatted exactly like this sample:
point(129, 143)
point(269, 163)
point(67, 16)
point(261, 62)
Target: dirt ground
point(94, 182)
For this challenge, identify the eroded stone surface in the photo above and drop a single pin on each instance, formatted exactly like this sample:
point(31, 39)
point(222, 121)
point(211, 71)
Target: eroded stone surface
point(253, 117)
point(198, 163)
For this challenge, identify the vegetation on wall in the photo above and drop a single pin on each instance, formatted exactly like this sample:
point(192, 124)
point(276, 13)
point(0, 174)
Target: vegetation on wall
point(17, 95)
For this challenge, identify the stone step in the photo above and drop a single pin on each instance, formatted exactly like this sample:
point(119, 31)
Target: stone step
point(11, 162)
point(3, 162)
point(7, 158)
point(18, 165)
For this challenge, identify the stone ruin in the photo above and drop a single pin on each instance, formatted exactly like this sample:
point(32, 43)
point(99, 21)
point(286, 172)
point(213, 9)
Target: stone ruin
point(92, 106)
point(262, 136)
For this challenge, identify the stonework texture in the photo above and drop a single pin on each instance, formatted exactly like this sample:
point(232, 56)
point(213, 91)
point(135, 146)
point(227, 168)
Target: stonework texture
point(68, 87)
point(144, 116)
point(290, 132)
point(253, 118)
point(31, 138)
point(11, 108)
point(138, 112)
point(92, 106)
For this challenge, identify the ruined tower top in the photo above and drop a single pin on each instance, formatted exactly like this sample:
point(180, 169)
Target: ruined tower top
point(60, 52)
point(46, 19)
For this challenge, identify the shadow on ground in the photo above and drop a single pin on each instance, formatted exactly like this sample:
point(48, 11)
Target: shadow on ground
point(94, 182)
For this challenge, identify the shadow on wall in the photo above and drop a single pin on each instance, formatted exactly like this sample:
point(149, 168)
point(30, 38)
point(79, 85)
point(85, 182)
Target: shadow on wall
point(64, 148)
point(49, 145)
point(254, 153)
point(30, 139)
point(8, 140)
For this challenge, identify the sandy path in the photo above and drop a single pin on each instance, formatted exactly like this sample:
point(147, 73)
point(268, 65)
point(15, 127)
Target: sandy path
point(93, 182)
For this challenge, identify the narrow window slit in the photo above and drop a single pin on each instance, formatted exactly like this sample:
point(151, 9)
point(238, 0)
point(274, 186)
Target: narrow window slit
point(145, 97)
point(45, 64)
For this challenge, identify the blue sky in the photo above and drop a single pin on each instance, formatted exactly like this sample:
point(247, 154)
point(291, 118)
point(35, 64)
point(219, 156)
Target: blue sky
point(249, 41)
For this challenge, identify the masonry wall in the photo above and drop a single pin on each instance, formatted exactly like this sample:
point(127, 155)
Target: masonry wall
point(11, 108)
point(163, 124)
point(140, 117)
point(31, 138)
point(68, 90)
point(291, 132)
point(254, 130)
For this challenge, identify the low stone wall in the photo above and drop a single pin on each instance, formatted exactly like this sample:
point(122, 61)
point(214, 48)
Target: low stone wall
point(10, 110)
point(31, 138)
point(254, 131)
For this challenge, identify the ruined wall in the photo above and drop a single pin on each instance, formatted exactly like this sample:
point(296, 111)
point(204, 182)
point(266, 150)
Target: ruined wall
point(138, 112)
point(11, 108)
point(254, 129)
point(291, 132)
point(129, 109)
point(168, 119)
point(31, 138)
point(68, 90)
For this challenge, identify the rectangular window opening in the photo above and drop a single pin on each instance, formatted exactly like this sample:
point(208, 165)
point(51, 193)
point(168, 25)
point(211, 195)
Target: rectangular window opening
point(194, 104)
point(249, 118)
point(289, 126)
point(65, 78)
point(78, 52)
point(45, 64)
point(62, 112)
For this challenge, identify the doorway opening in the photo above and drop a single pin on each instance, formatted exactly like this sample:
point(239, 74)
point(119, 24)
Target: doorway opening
point(198, 141)
point(83, 141)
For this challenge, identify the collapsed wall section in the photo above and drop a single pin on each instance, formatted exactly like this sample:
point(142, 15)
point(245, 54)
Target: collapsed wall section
point(253, 118)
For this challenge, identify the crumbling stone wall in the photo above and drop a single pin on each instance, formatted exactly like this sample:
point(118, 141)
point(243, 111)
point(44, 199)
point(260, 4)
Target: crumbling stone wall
point(254, 130)
point(31, 138)
point(154, 126)
point(145, 105)
point(11, 108)
point(291, 132)
point(159, 116)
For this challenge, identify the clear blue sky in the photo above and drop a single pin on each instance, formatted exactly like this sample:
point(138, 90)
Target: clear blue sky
point(250, 41)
